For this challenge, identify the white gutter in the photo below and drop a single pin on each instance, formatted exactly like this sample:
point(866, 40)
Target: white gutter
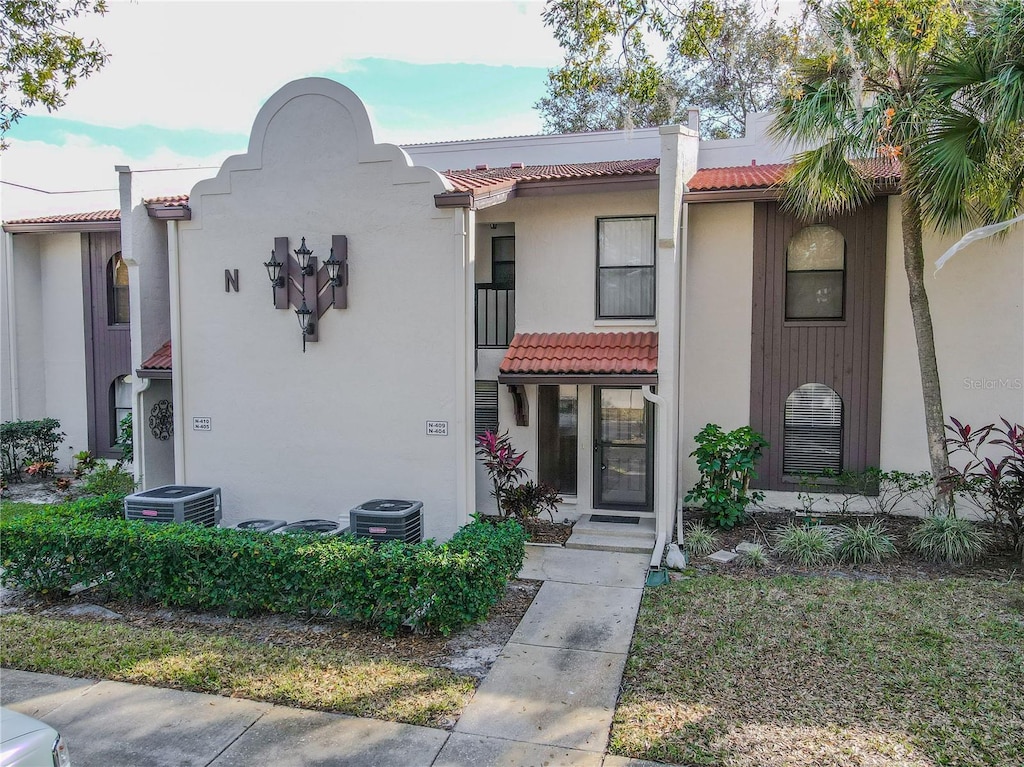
point(138, 443)
point(12, 328)
point(662, 444)
point(177, 367)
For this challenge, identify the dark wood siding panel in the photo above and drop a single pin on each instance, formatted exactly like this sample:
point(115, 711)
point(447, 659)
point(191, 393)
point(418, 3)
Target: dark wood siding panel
point(844, 355)
point(108, 349)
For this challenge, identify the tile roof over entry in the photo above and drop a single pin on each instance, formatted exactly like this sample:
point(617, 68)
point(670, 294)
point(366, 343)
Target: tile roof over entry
point(535, 357)
point(159, 361)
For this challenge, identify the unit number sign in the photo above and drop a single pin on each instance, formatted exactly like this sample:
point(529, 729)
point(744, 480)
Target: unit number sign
point(202, 424)
point(437, 428)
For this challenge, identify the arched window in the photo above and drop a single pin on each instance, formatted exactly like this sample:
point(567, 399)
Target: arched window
point(813, 442)
point(120, 405)
point(118, 312)
point(815, 274)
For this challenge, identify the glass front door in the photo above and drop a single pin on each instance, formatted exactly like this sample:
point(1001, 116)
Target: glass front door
point(623, 450)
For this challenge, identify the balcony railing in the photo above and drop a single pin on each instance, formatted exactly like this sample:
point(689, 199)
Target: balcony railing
point(495, 316)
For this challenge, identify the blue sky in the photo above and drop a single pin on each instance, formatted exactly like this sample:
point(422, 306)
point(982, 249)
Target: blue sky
point(186, 79)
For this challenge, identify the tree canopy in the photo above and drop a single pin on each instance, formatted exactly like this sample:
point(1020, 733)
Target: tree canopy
point(42, 59)
point(728, 57)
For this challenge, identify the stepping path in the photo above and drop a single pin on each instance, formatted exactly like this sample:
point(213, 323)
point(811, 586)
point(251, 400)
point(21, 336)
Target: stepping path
point(548, 700)
point(550, 696)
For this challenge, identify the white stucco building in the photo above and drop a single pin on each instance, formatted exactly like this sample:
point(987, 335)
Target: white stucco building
point(600, 296)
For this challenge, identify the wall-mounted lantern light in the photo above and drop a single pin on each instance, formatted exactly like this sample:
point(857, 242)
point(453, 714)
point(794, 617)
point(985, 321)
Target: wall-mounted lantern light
point(300, 283)
point(274, 271)
point(306, 322)
point(303, 253)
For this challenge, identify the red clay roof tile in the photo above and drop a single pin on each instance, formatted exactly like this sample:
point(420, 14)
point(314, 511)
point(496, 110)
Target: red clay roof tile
point(71, 218)
point(582, 354)
point(161, 359)
point(764, 176)
point(471, 180)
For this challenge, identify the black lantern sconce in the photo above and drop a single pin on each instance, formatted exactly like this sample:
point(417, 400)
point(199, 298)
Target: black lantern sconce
point(302, 253)
point(301, 283)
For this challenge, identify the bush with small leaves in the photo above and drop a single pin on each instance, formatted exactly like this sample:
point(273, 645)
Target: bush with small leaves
point(865, 543)
point(699, 540)
point(805, 546)
point(949, 539)
point(755, 557)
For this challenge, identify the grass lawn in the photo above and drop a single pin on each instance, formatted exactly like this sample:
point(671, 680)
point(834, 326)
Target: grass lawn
point(826, 672)
point(317, 678)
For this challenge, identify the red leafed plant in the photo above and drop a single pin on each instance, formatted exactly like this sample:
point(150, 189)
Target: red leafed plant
point(502, 463)
point(40, 468)
point(994, 482)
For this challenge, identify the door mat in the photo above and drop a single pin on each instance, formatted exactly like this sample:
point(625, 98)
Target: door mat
point(615, 520)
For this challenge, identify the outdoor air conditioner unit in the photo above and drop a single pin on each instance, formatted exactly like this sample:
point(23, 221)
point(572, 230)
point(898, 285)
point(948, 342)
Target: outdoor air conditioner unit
point(175, 503)
point(388, 520)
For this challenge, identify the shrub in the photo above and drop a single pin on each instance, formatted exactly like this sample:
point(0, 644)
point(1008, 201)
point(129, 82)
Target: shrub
point(865, 543)
point(27, 442)
point(949, 539)
point(699, 540)
point(107, 479)
point(996, 485)
point(529, 499)
point(84, 463)
point(726, 461)
point(391, 585)
point(502, 463)
point(755, 557)
point(805, 546)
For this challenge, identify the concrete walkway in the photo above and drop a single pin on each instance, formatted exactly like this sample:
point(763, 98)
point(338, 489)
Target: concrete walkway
point(548, 700)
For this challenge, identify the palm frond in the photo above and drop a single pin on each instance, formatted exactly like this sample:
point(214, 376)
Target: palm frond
point(824, 181)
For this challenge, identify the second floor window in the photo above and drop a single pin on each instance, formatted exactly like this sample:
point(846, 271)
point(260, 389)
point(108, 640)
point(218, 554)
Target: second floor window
point(625, 267)
point(118, 311)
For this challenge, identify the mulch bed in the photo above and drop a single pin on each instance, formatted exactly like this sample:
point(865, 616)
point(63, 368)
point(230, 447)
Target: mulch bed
point(760, 528)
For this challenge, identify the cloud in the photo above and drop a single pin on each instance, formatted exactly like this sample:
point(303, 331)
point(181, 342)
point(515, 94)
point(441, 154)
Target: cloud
point(211, 65)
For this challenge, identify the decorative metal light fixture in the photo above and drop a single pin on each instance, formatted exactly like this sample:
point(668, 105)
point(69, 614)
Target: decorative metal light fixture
point(296, 281)
point(303, 253)
point(306, 322)
point(274, 271)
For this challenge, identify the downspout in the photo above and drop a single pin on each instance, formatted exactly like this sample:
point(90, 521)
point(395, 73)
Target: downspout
point(12, 328)
point(138, 447)
point(177, 371)
point(662, 444)
point(465, 364)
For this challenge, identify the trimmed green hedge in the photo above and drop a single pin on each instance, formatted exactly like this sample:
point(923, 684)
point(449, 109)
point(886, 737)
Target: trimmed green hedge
point(423, 586)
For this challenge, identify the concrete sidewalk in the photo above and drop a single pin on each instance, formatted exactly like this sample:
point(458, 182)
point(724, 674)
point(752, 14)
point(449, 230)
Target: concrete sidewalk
point(548, 700)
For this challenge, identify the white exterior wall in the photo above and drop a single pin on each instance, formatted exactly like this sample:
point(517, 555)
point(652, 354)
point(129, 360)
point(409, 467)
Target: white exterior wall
point(556, 283)
point(556, 258)
point(50, 341)
point(716, 348)
point(311, 435)
point(977, 306)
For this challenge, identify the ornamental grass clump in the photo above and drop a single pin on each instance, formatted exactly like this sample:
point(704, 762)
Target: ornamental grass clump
point(755, 557)
point(699, 540)
point(949, 539)
point(805, 546)
point(865, 543)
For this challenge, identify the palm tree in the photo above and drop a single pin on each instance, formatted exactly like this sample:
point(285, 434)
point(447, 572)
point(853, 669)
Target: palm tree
point(939, 91)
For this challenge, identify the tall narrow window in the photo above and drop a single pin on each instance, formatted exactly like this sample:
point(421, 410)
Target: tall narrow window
point(557, 437)
point(503, 262)
point(118, 310)
point(815, 274)
point(120, 405)
point(813, 442)
point(625, 267)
